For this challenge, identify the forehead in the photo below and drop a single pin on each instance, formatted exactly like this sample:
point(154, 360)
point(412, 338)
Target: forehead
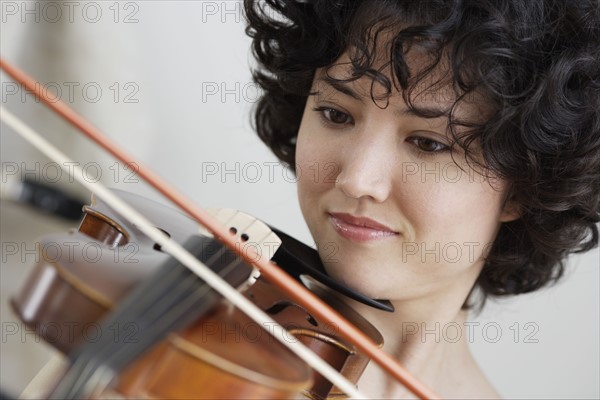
point(430, 93)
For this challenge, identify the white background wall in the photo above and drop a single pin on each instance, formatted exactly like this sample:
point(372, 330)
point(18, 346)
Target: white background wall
point(185, 67)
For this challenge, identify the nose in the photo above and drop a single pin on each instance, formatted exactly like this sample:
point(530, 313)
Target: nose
point(365, 170)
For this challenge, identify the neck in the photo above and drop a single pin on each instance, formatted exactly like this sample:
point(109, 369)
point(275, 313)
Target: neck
point(427, 336)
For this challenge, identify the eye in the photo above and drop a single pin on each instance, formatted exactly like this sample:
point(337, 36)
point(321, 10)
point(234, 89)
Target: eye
point(333, 116)
point(428, 146)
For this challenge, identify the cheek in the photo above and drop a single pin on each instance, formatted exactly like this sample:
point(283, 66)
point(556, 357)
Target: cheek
point(458, 211)
point(315, 163)
point(309, 156)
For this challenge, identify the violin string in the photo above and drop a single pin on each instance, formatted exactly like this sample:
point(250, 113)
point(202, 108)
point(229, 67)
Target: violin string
point(187, 305)
point(174, 313)
point(180, 254)
point(176, 293)
point(183, 302)
point(268, 269)
point(120, 353)
point(85, 364)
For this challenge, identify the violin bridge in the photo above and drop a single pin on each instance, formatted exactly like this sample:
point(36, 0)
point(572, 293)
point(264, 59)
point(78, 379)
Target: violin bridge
point(251, 233)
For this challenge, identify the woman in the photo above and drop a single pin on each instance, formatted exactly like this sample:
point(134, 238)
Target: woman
point(448, 151)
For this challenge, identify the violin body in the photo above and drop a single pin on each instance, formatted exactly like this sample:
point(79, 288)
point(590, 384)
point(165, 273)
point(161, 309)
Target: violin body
point(222, 354)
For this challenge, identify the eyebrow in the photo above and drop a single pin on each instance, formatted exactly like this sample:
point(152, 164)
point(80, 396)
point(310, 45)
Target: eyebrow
point(343, 88)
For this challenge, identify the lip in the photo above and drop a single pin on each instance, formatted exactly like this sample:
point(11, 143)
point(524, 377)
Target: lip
point(359, 229)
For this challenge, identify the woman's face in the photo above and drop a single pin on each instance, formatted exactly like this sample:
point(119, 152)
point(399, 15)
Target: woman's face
point(391, 213)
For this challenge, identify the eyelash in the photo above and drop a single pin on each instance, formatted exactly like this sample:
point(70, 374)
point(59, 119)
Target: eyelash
point(442, 148)
point(326, 121)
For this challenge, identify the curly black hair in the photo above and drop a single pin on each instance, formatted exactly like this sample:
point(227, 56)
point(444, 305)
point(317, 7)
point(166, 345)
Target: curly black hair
point(536, 62)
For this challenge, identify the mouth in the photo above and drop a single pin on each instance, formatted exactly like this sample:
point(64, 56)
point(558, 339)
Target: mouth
point(359, 229)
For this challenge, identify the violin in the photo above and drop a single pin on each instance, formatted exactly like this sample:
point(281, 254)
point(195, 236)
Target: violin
point(269, 270)
point(79, 293)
